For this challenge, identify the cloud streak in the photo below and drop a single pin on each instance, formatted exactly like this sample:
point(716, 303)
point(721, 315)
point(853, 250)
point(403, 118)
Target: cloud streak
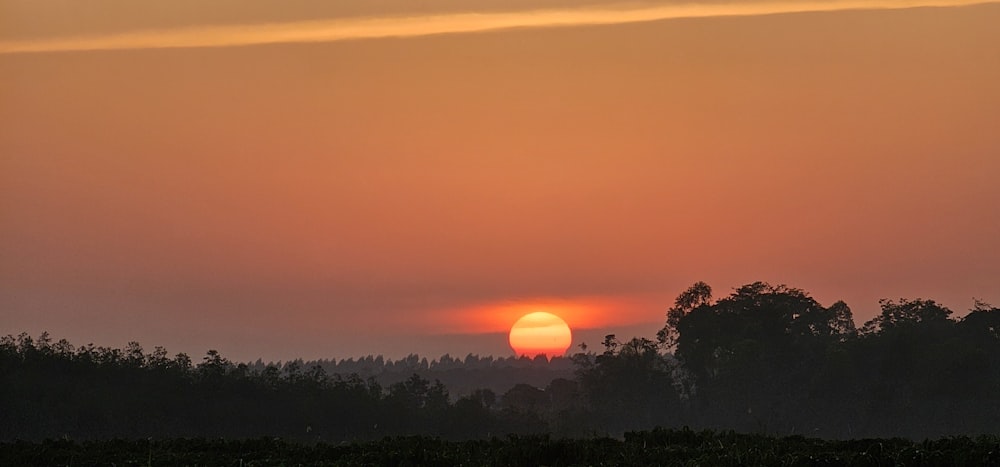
point(333, 30)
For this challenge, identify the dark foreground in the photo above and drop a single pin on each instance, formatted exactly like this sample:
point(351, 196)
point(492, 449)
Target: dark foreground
point(657, 447)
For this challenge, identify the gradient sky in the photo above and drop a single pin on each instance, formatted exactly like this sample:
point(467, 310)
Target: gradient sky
point(352, 194)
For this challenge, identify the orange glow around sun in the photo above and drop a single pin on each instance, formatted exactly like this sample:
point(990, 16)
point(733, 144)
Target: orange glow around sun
point(578, 313)
point(540, 333)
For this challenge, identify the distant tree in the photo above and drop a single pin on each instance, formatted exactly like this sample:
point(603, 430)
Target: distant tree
point(158, 359)
point(629, 385)
point(524, 398)
point(610, 344)
point(213, 365)
point(182, 362)
point(471, 416)
point(134, 356)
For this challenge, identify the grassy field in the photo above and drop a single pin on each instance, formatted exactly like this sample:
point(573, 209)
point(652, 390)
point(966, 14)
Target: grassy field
point(657, 447)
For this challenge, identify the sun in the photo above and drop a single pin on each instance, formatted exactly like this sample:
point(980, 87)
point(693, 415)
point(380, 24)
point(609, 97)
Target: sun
point(540, 333)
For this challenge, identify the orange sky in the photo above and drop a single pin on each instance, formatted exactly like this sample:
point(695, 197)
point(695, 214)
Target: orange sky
point(398, 195)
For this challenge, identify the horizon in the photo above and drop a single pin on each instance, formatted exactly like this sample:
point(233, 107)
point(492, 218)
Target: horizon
point(445, 343)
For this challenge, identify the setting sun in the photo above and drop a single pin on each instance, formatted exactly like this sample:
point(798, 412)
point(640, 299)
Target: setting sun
point(540, 333)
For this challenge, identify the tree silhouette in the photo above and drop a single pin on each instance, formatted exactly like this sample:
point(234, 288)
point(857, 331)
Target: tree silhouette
point(698, 295)
point(764, 358)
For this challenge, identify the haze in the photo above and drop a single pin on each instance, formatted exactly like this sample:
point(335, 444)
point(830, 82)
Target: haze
point(334, 198)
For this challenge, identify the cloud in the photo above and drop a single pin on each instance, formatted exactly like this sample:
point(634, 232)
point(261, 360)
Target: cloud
point(332, 30)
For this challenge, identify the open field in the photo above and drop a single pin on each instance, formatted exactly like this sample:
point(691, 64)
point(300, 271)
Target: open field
point(656, 447)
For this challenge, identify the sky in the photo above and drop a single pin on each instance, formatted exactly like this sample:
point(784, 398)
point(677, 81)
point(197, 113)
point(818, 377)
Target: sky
point(334, 179)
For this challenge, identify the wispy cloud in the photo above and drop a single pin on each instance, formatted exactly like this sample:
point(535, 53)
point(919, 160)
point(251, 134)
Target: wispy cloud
point(332, 30)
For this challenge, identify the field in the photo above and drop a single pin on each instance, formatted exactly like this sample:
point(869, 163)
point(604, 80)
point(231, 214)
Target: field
point(657, 447)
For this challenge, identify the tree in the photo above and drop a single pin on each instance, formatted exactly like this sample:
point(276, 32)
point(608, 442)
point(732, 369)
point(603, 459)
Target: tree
point(908, 357)
point(907, 314)
point(983, 321)
point(751, 354)
point(213, 365)
point(524, 398)
point(779, 321)
point(630, 385)
point(471, 417)
point(698, 295)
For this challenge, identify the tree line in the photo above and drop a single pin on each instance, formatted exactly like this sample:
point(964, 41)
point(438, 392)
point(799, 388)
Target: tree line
point(772, 359)
point(462, 376)
point(765, 358)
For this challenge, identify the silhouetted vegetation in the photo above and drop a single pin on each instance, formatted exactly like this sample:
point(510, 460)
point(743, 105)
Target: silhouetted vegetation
point(656, 447)
point(764, 359)
point(462, 376)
